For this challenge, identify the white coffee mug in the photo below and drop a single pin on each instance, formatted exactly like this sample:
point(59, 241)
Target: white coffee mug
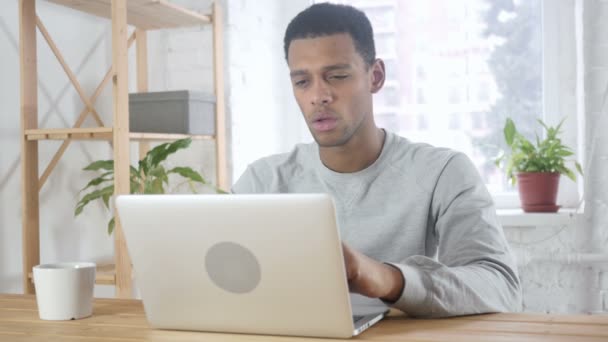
point(64, 291)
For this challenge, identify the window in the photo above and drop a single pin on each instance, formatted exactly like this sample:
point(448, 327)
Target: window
point(423, 122)
point(486, 61)
point(455, 122)
point(388, 97)
point(465, 66)
point(454, 96)
point(420, 97)
point(391, 66)
point(420, 73)
point(478, 121)
point(483, 92)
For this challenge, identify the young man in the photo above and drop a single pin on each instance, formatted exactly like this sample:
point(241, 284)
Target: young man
point(419, 228)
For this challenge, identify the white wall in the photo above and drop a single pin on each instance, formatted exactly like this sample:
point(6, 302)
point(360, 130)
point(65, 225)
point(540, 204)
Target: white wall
point(261, 106)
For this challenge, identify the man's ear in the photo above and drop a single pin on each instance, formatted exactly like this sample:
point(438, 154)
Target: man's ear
point(378, 75)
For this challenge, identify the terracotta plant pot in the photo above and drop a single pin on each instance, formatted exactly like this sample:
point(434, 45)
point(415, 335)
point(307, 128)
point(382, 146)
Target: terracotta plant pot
point(538, 191)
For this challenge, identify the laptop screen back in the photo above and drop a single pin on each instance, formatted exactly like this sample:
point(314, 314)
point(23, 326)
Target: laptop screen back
point(269, 264)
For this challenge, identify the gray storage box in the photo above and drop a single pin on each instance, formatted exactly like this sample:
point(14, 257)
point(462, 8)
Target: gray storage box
point(181, 111)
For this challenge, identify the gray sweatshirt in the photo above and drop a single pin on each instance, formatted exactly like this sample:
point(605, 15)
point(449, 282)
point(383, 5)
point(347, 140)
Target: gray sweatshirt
point(422, 209)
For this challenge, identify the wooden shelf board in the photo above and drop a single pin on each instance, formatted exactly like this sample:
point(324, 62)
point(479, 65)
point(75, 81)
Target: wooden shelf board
point(97, 133)
point(104, 275)
point(167, 136)
point(102, 133)
point(143, 14)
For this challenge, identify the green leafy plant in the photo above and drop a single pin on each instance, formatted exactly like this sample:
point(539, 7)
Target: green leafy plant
point(150, 177)
point(548, 155)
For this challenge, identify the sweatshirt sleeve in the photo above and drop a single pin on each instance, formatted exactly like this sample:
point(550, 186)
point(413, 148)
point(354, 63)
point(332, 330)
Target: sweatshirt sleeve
point(475, 271)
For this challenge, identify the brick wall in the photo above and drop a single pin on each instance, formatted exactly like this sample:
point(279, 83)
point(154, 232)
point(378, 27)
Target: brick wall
point(555, 269)
point(595, 45)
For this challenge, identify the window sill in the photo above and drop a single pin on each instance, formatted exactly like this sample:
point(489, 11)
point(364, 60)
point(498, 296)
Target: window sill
point(517, 218)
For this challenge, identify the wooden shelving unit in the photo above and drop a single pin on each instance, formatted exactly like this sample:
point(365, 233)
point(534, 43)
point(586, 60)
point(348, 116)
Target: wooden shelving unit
point(144, 15)
point(102, 133)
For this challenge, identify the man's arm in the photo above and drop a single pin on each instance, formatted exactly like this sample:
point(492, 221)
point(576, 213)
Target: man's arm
point(475, 271)
point(371, 278)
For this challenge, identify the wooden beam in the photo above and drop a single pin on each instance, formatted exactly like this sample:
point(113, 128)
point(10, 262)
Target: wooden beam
point(142, 60)
point(167, 136)
point(142, 77)
point(68, 133)
point(30, 214)
point(105, 275)
point(121, 140)
point(223, 181)
point(145, 14)
point(103, 133)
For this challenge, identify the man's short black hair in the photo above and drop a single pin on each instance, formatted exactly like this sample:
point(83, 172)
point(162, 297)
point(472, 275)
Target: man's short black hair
point(325, 19)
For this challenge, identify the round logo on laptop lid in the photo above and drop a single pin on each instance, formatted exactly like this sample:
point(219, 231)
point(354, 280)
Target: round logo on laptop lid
point(232, 267)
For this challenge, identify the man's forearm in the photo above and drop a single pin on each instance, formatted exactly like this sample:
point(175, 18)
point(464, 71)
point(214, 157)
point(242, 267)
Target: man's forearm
point(395, 283)
point(372, 278)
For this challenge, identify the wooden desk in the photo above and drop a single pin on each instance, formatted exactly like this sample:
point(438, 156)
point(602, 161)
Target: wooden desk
point(123, 320)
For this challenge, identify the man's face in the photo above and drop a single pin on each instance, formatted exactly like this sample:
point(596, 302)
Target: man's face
point(333, 87)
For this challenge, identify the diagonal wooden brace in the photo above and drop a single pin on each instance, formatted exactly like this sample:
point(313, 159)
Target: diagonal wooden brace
point(68, 71)
point(83, 114)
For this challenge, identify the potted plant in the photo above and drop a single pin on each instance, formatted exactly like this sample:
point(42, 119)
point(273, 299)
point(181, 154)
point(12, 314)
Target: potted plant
point(537, 168)
point(150, 177)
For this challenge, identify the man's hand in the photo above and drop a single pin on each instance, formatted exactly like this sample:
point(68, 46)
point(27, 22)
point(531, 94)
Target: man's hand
point(371, 278)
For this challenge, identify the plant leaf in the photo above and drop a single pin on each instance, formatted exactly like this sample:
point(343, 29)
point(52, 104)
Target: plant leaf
point(564, 153)
point(559, 125)
point(106, 200)
point(143, 166)
point(111, 225)
point(159, 172)
point(543, 124)
point(100, 164)
point(510, 132)
point(499, 159)
point(158, 154)
point(98, 180)
point(569, 173)
point(157, 186)
point(578, 168)
point(189, 173)
point(92, 196)
point(135, 187)
point(134, 172)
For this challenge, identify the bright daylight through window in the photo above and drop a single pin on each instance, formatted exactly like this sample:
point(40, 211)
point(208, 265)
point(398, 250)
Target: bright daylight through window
point(456, 70)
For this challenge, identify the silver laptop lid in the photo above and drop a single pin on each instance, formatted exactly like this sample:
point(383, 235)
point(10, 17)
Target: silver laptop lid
point(269, 264)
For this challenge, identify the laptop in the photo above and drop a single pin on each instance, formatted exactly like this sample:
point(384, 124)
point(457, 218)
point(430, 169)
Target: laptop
point(259, 264)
